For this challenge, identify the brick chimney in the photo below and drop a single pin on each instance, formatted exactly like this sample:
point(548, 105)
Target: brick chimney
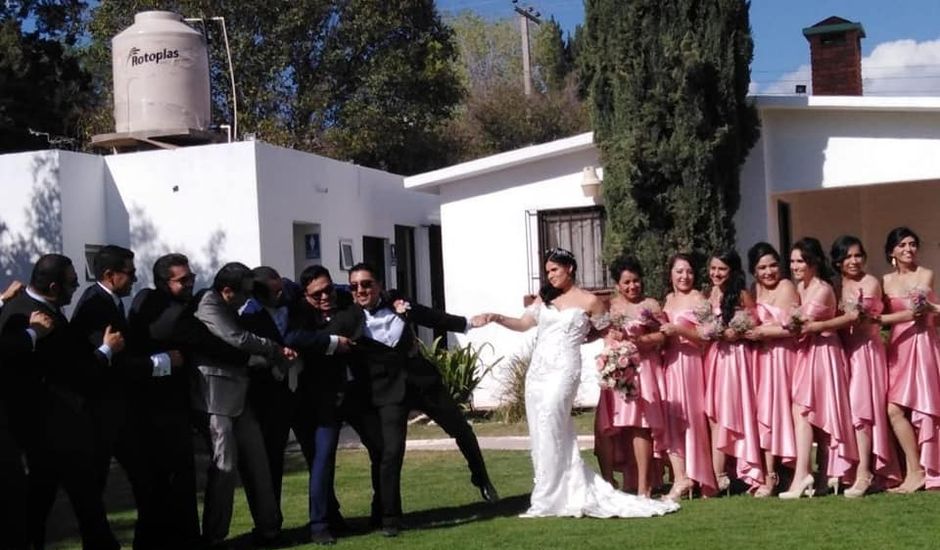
point(835, 47)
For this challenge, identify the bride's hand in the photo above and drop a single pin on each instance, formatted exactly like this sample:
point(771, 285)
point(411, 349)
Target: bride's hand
point(482, 319)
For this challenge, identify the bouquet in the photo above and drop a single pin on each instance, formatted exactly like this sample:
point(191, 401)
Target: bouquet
point(795, 320)
point(918, 299)
point(710, 327)
point(645, 321)
point(856, 304)
point(742, 322)
point(618, 366)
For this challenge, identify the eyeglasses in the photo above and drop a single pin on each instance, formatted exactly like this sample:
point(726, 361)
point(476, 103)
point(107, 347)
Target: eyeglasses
point(318, 294)
point(364, 285)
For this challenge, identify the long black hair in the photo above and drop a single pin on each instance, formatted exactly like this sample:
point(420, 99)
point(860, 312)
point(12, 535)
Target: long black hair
point(897, 235)
point(561, 257)
point(811, 250)
point(731, 294)
point(840, 250)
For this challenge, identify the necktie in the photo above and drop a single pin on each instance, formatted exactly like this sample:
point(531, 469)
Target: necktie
point(120, 306)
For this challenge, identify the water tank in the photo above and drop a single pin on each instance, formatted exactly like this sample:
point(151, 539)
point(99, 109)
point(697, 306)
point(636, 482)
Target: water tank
point(161, 75)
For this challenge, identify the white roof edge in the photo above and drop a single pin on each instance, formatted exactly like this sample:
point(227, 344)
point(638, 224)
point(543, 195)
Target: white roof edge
point(857, 103)
point(499, 161)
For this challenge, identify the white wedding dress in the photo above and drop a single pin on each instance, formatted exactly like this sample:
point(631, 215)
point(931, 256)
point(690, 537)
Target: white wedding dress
point(564, 484)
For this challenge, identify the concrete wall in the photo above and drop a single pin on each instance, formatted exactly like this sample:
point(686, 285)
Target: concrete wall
point(483, 223)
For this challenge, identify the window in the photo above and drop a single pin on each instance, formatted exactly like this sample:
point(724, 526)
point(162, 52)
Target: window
point(580, 230)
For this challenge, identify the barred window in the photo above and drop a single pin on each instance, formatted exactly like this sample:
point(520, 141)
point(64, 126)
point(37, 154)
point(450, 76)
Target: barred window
point(580, 230)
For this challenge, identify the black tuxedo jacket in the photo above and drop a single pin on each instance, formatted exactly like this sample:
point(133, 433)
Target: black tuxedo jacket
point(392, 369)
point(49, 388)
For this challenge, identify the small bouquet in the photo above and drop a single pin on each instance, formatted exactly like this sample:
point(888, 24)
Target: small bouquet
point(742, 322)
point(709, 326)
point(645, 321)
point(618, 366)
point(917, 297)
point(795, 321)
point(855, 304)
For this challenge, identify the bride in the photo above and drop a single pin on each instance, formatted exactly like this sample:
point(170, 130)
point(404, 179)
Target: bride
point(565, 315)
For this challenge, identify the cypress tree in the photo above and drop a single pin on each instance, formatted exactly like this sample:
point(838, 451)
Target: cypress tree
point(668, 81)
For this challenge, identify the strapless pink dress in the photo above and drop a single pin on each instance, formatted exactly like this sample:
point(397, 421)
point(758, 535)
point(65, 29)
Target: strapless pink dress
point(868, 391)
point(775, 360)
point(914, 383)
point(730, 403)
point(684, 404)
point(821, 388)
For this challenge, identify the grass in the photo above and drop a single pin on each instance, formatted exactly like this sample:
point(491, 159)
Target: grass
point(486, 425)
point(443, 510)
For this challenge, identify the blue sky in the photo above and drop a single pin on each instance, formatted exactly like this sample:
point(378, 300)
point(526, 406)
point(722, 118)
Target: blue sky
point(908, 31)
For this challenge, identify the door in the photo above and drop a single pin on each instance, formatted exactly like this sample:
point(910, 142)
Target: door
point(373, 253)
point(404, 260)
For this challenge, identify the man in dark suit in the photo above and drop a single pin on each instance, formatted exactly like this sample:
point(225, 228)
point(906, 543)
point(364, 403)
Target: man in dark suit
point(118, 405)
point(332, 389)
point(50, 407)
point(168, 441)
point(13, 484)
point(403, 380)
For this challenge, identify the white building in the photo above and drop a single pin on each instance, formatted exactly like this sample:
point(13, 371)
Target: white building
point(247, 201)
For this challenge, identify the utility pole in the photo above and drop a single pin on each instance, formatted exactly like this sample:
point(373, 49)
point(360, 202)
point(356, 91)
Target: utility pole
point(526, 14)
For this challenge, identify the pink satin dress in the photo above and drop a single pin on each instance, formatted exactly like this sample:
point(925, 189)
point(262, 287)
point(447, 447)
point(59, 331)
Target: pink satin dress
point(684, 404)
point(775, 360)
point(868, 391)
point(914, 382)
point(731, 404)
point(821, 389)
point(645, 411)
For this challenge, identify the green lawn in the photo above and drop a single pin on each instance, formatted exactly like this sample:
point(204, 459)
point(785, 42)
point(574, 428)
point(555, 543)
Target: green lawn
point(444, 511)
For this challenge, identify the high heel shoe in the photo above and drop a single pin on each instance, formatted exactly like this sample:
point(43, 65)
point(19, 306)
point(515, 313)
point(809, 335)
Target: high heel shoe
point(834, 484)
point(724, 484)
point(859, 488)
point(804, 487)
point(767, 489)
point(679, 489)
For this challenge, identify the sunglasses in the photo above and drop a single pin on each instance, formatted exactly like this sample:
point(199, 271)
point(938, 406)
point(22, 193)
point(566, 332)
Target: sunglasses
point(318, 294)
point(364, 285)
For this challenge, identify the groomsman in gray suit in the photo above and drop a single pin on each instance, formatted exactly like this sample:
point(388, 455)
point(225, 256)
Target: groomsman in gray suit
point(219, 391)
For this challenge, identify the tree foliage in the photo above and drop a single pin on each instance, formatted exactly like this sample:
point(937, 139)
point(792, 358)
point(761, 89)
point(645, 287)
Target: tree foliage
point(363, 80)
point(43, 87)
point(668, 84)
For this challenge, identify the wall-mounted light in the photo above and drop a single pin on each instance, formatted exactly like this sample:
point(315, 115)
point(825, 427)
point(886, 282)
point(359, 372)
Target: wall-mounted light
point(590, 183)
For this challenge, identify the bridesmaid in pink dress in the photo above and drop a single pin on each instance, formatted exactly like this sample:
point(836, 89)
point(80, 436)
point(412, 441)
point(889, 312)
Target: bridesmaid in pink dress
point(629, 432)
point(730, 401)
point(775, 359)
point(913, 362)
point(861, 305)
point(684, 402)
point(820, 381)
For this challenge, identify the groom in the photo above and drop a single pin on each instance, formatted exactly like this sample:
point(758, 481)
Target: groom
point(403, 380)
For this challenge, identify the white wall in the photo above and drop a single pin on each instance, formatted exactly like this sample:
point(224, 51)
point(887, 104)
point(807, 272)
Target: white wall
point(483, 225)
point(200, 201)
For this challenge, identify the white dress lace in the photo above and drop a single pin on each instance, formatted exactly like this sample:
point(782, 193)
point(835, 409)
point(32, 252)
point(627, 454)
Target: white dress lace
point(564, 484)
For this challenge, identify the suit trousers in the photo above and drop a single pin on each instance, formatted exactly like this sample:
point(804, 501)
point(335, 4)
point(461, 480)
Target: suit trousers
point(12, 490)
point(322, 472)
point(435, 402)
point(236, 442)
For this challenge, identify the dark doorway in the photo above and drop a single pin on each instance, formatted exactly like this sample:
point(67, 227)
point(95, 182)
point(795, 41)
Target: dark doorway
point(405, 260)
point(373, 253)
point(437, 272)
point(784, 230)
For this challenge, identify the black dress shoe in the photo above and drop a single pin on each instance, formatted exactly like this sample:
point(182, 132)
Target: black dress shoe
point(391, 531)
point(488, 492)
point(322, 538)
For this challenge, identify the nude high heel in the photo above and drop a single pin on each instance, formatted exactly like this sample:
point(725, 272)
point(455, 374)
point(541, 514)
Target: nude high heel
point(859, 488)
point(804, 487)
point(680, 489)
point(767, 489)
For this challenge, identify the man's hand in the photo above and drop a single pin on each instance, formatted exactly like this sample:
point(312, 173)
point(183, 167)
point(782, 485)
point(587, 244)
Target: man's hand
point(11, 292)
point(288, 354)
point(343, 344)
point(176, 358)
point(41, 322)
point(113, 339)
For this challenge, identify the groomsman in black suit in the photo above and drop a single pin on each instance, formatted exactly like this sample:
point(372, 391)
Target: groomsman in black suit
point(118, 406)
point(403, 380)
point(14, 347)
point(168, 441)
point(52, 406)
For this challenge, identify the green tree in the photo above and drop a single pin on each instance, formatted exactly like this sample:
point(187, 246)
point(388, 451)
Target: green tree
point(370, 81)
point(552, 56)
point(668, 85)
point(43, 87)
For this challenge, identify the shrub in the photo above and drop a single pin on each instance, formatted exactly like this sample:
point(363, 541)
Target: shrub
point(461, 368)
point(512, 399)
